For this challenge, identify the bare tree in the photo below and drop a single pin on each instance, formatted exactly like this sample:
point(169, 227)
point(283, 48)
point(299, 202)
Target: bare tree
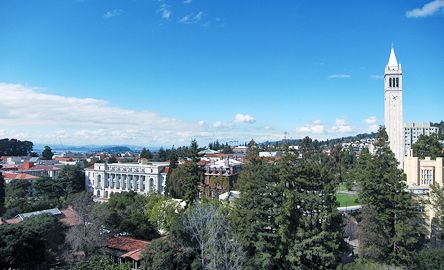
point(218, 247)
point(89, 235)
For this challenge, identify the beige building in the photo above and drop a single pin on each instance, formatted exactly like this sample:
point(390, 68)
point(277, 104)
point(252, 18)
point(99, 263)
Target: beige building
point(423, 172)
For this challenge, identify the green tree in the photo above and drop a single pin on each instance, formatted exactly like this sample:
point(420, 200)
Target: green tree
point(2, 193)
point(14, 147)
point(30, 244)
point(430, 259)
point(383, 187)
point(18, 195)
point(101, 262)
point(165, 254)
point(72, 179)
point(124, 213)
point(427, 146)
point(373, 243)
point(47, 153)
point(310, 227)
point(254, 214)
point(437, 202)
point(161, 211)
point(146, 153)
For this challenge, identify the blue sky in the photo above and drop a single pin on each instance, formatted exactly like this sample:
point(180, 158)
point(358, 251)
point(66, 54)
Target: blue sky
point(162, 72)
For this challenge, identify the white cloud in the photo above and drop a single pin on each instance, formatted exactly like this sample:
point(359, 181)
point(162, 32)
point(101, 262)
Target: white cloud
point(373, 128)
point(377, 77)
point(315, 127)
point(341, 126)
point(371, 120)
point(165, 11)
point(201, 123)
point(428, 9)
point(112, 13)
point(244, 118)
point(192, 18)
point(187, 1)
point(217, 124)
point(339, 76)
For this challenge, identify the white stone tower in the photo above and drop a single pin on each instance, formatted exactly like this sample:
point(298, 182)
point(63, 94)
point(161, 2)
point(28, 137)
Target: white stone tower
point(393, 114)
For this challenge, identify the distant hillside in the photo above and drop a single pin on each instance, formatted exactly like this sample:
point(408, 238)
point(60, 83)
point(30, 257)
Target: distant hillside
point(116, 149)
point(329, 142)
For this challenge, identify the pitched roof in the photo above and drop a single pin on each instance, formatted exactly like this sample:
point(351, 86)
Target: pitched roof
point(392, 59)
point(126, 243)
point(52, 211)
point(19, 176)
point(134, 254)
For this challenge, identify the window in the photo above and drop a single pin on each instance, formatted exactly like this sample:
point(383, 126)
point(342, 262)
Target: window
point(390, 82)
point(397, 82)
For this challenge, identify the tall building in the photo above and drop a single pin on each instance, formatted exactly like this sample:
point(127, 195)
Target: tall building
point(412, 131)
point(393, 114)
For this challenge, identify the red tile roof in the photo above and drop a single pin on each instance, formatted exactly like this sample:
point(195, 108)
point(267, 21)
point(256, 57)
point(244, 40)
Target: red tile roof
point(126, 243)
point(19, 176)
point(134, 254)
point(10, 221)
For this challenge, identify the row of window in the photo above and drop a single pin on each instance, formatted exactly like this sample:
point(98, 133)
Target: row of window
point(394, 82)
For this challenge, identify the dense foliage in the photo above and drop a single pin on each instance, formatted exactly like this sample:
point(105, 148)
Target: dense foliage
point(14, 147)
point(2, 194)
point(388, 208)
point(427, 146)
point(31, 244)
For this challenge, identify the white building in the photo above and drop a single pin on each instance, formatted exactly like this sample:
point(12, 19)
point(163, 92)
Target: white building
point(143, 177)
point(393, 113)
point(412, 131)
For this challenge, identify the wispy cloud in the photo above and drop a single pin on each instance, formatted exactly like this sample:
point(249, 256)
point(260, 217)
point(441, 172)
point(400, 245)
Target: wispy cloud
point(377, 77)
point(341, 126)
point(244, 118)
point(165, 11)
point(339, 76)
point(427, 10)
point(372, 125)
point(29, 113)
point(187, 1)
point(371, 120)
point(192, 18)
point(112, 13)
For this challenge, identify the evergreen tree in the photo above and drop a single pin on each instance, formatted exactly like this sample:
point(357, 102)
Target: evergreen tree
point(383, 187)
point(254, 214)
point(437, 202)
point(310, 225)
point(145, 153)
point(2, 194)
point(427, 146)
point(47, 153)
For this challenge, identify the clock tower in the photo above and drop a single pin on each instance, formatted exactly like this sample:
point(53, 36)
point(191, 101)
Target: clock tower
point(393, 114)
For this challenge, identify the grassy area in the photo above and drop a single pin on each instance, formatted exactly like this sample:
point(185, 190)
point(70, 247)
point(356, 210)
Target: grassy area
point(346, 200)
point(342, 187)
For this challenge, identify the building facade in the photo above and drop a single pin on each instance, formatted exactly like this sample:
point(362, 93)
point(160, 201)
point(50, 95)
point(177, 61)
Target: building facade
point(412, 131)
point(423, 172)
point(393, 112)
point(143, 177)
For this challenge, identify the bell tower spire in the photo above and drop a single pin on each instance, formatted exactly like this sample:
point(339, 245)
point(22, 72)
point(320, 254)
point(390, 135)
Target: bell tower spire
point(393, 111)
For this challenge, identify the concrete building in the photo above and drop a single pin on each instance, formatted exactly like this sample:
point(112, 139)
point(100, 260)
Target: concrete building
point(423, 172)
point(143, 177)
point(393, 113)
point(412, 131)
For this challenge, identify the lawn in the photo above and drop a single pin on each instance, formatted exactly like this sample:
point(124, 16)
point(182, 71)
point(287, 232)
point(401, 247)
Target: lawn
point(346, 200)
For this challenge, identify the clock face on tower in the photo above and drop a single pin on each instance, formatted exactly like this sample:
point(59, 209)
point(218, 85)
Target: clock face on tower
point(394, 97)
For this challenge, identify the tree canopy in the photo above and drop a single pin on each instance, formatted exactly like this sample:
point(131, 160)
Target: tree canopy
point(427, 146)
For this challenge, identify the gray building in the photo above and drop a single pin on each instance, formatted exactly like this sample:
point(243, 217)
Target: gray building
point(412, 131)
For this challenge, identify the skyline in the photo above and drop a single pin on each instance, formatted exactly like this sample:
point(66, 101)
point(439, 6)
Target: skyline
point(159, 73)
